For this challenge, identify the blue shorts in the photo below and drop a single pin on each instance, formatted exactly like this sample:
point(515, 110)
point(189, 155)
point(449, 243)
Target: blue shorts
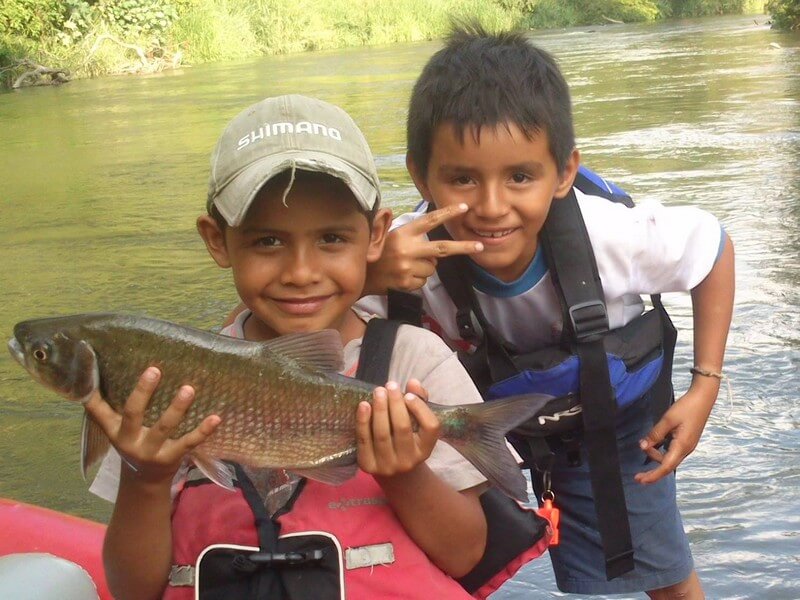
point(661, 548)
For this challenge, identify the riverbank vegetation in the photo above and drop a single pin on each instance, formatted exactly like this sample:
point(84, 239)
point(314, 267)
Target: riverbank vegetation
point(47, 41)
point(785, 13)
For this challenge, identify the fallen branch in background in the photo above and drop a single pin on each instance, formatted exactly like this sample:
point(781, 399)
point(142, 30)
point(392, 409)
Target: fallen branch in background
point(39, 75)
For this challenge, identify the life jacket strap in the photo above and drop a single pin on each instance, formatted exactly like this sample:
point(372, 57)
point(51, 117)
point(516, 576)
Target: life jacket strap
point(573, 269)
point(376, 350)
point(404, 307)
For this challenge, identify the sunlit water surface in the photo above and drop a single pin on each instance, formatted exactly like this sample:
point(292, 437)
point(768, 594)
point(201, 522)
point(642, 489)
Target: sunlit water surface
point(103, 179)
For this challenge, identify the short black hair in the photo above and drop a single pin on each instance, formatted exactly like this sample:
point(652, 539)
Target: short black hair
point(481, 79)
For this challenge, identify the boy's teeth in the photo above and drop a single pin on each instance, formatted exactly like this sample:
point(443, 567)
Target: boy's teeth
point(494, 234)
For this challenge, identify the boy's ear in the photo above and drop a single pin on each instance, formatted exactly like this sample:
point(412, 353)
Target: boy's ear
point(567, 177)
point(416, 176)
point(377, 238)
point(214, 238)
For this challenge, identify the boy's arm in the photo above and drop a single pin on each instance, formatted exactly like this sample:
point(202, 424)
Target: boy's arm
point(137, 550)
point(712, 304)
point(449, 526)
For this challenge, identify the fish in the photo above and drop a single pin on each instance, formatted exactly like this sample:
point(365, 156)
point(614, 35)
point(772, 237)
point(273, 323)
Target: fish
point(282, 402)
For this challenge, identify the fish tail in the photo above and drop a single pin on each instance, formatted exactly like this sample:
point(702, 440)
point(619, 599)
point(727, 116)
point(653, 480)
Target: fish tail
point(481, 440)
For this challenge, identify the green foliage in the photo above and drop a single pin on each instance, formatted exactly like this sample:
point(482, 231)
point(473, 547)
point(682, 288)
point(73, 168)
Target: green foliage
point(138, 18)
point(700, 8)
point(564, 13)
point(78, 23)
point(785, 13)
point(32, 19)
point(227, 29)
point(208, 31)
point(11, 49)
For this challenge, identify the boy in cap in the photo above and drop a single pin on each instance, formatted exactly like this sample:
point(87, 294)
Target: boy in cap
point(293, 211)
point(491, 148)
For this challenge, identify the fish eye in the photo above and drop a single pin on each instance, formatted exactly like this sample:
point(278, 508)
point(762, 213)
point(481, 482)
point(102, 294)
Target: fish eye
point(40, 353)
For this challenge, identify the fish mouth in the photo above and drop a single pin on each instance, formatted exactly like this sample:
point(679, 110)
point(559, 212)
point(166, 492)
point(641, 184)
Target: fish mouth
point(16, 351)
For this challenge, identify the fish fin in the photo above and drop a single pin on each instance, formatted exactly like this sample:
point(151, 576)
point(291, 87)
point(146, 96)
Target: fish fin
point(333, 471)
point(329, 474)
point(486, 447)
point(94, 444)
point(85, 361)
point(217, 471)
point(320, 350)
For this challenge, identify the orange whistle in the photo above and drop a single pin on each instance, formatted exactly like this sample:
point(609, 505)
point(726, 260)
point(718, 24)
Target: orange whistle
point(553, 516)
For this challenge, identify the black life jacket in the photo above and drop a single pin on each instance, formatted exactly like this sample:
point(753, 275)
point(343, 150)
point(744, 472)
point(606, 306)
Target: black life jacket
point(639, 353)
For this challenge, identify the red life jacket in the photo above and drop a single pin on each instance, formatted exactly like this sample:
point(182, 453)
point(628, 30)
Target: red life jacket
point(355, 514)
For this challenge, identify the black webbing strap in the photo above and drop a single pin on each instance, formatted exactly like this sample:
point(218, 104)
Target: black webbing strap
point(574, 272)
point(376, 351)
point(404, 307)
point(662, 393)
point(268, 583)
point(456, 277)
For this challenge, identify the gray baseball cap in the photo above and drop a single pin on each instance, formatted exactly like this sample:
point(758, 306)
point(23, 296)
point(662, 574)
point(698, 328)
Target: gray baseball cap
point(287, 133)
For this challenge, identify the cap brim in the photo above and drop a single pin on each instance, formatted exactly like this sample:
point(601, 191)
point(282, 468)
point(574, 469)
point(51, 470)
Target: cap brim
point(235, 198)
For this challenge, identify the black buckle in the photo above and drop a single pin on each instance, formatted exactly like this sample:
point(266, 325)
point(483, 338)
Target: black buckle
point(251, 562)
point(619, 565)
point(469, 328)
point(588, 319)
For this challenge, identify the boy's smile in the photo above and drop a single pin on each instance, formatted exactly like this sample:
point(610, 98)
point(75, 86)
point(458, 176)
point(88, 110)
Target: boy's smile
point(508, 181)
point(299, 265)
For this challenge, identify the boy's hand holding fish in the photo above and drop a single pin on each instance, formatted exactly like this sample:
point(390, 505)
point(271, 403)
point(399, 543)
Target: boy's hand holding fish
point(394, 450)
point(149, 451)
point(386, 439)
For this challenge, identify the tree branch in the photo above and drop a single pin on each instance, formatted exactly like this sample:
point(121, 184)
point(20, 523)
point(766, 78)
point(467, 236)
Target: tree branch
point(38, 73)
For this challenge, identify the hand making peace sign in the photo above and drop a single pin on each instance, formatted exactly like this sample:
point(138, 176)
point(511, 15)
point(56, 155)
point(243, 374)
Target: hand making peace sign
point(409, 257)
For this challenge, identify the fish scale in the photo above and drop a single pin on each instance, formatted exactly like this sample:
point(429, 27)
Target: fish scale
point(254, 403)
point(281, 402)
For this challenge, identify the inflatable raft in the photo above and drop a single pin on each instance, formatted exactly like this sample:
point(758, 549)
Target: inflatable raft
point(48, 554)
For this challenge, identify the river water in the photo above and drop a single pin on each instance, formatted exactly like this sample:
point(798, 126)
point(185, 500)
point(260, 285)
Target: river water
point(102, 181)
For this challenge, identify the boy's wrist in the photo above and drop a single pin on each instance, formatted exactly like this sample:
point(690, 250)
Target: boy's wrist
point(149, 484)
point(706, 388)
point(406, 480)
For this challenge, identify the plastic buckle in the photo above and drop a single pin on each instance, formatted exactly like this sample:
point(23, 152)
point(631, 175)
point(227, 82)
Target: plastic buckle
point(588, 319)
point(469, 328)
point(619, 564)
point(256, 560)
